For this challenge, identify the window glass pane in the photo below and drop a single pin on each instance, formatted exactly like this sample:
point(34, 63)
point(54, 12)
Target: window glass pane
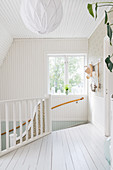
point(56, 74)
point(76, 74)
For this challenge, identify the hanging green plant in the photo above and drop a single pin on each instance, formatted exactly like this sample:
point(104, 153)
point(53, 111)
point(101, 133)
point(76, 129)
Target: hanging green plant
point(93, 8)
point(109, 63)
point(106, 17)
point(90, 9)
point(96, 6)
point(109, 32)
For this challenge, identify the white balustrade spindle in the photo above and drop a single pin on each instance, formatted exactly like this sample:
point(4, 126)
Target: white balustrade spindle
point(31, 116)
point(14, 123)
point(7, 126)
point(45, 110)
point(0, 134)
point(20, 116)
point(37, 119)
point(41, 118)
point(26, 118)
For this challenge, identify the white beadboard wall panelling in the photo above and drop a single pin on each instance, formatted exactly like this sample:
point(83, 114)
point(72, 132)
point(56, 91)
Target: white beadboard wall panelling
point(76, 45)
point(5, 43)
point(24, 72)
point(97, 111)
point(69, 112)
point(76, 21)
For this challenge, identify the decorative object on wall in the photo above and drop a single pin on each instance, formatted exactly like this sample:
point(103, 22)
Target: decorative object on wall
point(93, 75)
point(93, 87)
point(89, 71)
point(109, 25)
point(41, 16)
point(91, 68)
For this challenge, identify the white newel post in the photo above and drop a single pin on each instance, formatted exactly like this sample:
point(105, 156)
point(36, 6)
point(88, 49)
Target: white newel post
point(111, 149)
point(48, 115)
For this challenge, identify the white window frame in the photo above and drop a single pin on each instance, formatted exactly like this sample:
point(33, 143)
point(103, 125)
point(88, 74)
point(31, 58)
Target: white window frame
point(66, 81)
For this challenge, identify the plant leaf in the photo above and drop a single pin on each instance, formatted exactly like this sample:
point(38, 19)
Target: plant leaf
point(108, 29)
point(109, 63)
point(90, 9)
point(96, 6)
point(106, 17)
point(109, 32)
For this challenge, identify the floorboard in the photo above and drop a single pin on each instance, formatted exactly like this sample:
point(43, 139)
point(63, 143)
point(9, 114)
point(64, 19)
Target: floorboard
point(87, 157)
point(77, 148)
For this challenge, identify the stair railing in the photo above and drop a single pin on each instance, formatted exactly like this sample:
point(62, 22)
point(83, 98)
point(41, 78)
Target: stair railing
point(32, 117)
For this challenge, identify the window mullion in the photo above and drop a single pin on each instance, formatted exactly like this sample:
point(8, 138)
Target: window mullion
point(66, 70)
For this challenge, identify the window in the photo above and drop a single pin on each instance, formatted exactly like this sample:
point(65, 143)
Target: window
point(66, 70)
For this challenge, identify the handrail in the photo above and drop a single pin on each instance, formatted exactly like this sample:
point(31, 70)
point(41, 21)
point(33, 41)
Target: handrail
point(16, 128)
point(51, 108)
point(67, 103)
point(18, 100)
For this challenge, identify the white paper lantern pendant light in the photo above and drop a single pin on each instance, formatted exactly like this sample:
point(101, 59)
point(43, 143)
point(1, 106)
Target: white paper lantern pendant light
point(41, 16)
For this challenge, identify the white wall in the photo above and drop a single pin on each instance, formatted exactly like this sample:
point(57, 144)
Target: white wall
point(95, 52)
point(70, 112)
point(111, 150)
point(97, 111)
point(23, 73)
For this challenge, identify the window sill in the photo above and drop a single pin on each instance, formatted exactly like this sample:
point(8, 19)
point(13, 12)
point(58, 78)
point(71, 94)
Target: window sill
point(68, 95)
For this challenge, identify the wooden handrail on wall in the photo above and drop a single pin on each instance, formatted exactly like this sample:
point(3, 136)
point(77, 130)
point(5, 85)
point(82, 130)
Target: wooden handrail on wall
point(16, 127)
point(67, 103)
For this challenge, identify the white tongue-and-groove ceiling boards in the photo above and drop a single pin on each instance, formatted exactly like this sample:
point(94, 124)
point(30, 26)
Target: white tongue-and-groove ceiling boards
point(76, 23)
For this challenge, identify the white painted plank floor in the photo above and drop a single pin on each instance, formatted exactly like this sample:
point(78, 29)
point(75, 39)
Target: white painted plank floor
point(77, 148)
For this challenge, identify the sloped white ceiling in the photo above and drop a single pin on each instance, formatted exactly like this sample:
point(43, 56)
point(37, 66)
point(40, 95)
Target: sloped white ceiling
point(76, 20)
point(76, 23)
point(5, 43)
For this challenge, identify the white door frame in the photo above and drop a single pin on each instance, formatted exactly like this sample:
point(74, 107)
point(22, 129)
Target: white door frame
point(106, 88)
